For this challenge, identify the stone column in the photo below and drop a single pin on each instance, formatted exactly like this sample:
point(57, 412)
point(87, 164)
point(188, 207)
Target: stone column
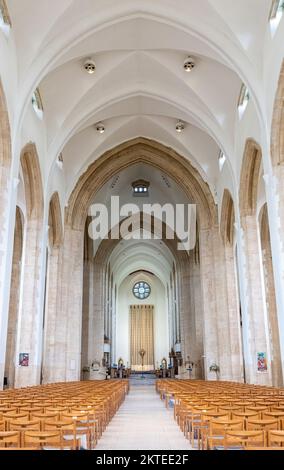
point(256, 326)
point(234, 315)
point(54, 344)
point(72, 299)
point(196, 317)
point(29, 336)
point(96, 319)
point(210, 326)
point(275, 207)
point(8, 196)
point(276, 368)
point(14, 301)
point(185, 324)
point(219, 341)
point(88, 306)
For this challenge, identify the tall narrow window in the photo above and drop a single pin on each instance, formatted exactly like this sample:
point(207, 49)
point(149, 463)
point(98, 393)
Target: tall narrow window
point(243, 100)
point(276, 9)
point(276, 13)
point(5, 20)
point(37, 103)
point(222, 160)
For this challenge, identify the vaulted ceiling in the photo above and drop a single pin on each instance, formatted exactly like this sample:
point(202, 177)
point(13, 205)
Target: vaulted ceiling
point(139, 87)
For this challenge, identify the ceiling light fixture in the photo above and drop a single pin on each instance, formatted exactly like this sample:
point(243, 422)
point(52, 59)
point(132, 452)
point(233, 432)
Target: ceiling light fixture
point(189, 64)
point(180, 126)
point(100, 128)
point(90, 66)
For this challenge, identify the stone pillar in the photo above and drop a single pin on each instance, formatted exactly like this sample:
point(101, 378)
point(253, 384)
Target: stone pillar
point(185, 323)
point(234, 315)
point(256, 326)
point(220, 309)
point(276, 368)
point(72, 299)
point(8, 196)
point(29, 336)
point(88, 306)
point(275, 207)
point(14, 301)
point(54, 344)
point(210, 327)
point(96, 319)
point(196, 317)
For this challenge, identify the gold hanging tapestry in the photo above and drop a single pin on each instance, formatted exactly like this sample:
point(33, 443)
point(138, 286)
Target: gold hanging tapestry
point(142, 336)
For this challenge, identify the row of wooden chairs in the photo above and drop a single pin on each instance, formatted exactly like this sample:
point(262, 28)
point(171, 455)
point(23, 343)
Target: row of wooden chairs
point(69, 415)
point(207, 411)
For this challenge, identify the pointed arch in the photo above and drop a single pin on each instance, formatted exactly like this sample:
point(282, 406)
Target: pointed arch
point(127, 154)
point(31, 311)
point(227, 218)
point(32, 182)
point(249, 178)
point(55, 233)
point(277, 131)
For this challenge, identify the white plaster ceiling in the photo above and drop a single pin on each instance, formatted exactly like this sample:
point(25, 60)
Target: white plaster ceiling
point(140, 87)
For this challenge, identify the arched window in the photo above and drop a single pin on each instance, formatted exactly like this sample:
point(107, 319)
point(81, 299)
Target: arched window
point(140, 188)
point(243, 100)
point(277, 8)
point(5, 19)
point(276, 13)
point(37, 103)
point(222, 160)
point(141, 290)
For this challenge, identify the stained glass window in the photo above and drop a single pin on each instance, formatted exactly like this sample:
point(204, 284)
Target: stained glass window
point(141, 290)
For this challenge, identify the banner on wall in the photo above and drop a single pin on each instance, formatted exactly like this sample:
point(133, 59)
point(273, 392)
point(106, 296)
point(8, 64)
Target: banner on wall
point(261, 362)
point(24, 360)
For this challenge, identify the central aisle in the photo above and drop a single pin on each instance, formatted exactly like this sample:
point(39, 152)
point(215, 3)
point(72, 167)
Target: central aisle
point(143, 423)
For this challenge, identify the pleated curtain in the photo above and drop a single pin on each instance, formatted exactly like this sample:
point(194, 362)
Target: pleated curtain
point(142, 336)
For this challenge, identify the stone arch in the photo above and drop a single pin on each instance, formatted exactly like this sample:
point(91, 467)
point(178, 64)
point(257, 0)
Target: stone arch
point(32, 182)
point(30, 310)
point(213, 288)
point(132, 152)
point(254, 302)
point(227, 229)
point(93, 315)
point(227, 218)
point(277, 131)
point(249, 178)
point(55, 233)
point(52, 290)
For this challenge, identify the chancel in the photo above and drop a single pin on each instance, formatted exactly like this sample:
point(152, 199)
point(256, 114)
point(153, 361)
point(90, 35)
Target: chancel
point(141, 224)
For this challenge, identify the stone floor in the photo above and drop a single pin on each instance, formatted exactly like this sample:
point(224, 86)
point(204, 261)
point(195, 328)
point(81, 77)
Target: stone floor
point(143, 423)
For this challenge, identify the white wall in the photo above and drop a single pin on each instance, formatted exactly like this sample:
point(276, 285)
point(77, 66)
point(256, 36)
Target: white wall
point(158, 299)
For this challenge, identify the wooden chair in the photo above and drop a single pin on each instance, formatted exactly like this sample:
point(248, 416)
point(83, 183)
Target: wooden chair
point(10, 439)
point(241, 439)
point(217, 430)
point(276, 438)
point(43, 439)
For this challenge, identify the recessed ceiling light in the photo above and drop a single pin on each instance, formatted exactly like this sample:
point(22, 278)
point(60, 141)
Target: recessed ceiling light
point(90, 66)
point(189, 64)
point(180, 126)
point(100, 128)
